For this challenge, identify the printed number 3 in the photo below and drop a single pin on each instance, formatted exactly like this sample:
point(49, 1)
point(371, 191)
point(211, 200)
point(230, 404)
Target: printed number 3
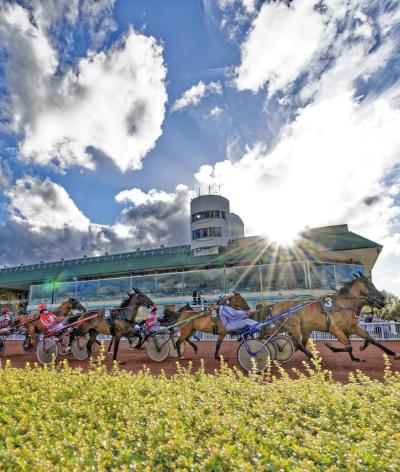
point(328, 302)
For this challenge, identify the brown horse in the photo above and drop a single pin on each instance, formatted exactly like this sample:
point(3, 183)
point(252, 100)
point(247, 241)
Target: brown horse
point(341, 321)
point(119, 323)
point(207, 324)
point(170, 317)
point(33, 325)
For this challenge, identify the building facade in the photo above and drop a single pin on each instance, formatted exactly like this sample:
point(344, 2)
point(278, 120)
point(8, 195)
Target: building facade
point(320, 260)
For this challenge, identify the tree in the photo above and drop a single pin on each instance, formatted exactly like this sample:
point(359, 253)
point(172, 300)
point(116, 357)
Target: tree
point(391, 309)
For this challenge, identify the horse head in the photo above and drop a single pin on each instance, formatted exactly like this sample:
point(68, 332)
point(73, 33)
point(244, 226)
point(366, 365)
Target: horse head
point(238, 302)
point(136, 298)
point(368, 290)
point(76, 305)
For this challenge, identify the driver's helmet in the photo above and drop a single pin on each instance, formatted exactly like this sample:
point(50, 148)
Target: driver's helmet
point(221, 299)
point(43, 308)
point(5, 310)
point(154, 308)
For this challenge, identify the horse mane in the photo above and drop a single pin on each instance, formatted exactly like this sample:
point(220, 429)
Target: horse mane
point(347, 286)
point(125, 302)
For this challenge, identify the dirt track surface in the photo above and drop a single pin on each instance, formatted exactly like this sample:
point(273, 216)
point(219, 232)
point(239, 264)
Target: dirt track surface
point(339, 363)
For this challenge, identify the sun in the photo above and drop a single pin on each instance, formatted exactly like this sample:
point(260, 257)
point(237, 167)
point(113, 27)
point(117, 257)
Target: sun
point(283, 234)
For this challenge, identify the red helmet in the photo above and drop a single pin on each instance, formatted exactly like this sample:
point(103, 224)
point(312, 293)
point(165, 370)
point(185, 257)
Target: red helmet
point(42, 307)
point(5, 310)
point(154, 308)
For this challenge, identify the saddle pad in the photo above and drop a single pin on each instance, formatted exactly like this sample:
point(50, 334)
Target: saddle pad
point(328, 304)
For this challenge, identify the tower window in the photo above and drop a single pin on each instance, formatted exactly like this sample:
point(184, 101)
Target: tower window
point(205, 215)
point(206, 233)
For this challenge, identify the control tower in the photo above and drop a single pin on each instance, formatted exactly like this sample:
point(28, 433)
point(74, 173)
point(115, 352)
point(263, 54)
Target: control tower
point(212, 224)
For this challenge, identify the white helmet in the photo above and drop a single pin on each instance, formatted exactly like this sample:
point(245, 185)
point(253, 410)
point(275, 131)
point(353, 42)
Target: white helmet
point(221, 299)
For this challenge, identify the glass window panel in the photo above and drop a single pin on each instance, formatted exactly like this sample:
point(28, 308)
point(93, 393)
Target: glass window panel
point(322, 276)
point(145, 283)
point(113, 289)
point(169, 285)
point(62, 291)
point(86, 290)
point(243, 279)
point(205, 282)
point(40, 294)
point(346, 272)
point(290, 276)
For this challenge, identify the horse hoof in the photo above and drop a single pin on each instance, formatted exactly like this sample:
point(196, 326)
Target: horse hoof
point(397, 356)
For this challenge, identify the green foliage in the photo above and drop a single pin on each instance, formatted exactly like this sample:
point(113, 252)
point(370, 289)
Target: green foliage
point(391, 309)
point(64, 419)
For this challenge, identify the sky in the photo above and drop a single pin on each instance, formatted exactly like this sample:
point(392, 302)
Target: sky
point(112, 112)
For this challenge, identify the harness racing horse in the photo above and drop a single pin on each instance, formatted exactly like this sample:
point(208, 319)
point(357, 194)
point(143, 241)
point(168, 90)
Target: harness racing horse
point(119, 324)
point(168, 318)
point(207, 324)
point(341, 320)
point(33, 325)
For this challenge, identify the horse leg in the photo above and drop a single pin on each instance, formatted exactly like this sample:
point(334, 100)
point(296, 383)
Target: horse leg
point(92, 340)
point(111, 343)
point(298, 342)
point(30, 330)
point(365, 345)
point(347, 345)
point(116, 345)
point(217, 347)
point(194, 346)
point(363, 334)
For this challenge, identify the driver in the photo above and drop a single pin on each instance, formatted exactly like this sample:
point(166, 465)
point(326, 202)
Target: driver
point(48, 318)
point(152, 322)
point(233, 320)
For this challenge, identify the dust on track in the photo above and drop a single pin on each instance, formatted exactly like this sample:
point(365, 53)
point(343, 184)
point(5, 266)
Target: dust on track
point(133, 361)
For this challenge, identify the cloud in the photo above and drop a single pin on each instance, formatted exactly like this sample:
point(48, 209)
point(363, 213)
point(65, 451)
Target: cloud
point(216, 111)
point(45, 223)
point(5, 174)
point(111, 101)
point(193, 96)
point(282, 41)
point(158, 216)
point(334, 161)
point(58, 18)
point(44, 204)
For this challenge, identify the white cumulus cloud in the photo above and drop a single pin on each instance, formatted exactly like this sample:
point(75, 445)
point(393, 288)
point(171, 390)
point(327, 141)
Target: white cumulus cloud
point(43, 204)
point(282, 41)
point(111, 101)
point(193, 96)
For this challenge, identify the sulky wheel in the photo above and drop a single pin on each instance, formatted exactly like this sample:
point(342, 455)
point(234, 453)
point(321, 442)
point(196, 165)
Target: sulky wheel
point(46, 351)
point(284, 348)
point(79, 347)
point(134, 342)
point(259, 361)
point(27, 345)
point(63, 346)
point(173, 352)
point(2, 346)
point(157, 348)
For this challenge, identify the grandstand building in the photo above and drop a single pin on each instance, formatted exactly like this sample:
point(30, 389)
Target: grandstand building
point(218, 260)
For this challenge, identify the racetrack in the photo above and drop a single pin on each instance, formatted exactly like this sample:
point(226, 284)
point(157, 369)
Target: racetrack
point(339, 363)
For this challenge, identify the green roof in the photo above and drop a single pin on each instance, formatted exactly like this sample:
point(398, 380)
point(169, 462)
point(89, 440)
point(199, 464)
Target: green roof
point(310, 245)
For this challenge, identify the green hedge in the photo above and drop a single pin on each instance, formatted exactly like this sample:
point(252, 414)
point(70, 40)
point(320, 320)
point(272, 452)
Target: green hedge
point(64, 419)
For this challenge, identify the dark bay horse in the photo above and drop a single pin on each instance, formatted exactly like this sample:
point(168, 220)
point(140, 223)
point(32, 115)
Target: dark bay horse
point(119, 324)
point(207, 324)
point(33, 325)
point(170, 317)
point(342, 321)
